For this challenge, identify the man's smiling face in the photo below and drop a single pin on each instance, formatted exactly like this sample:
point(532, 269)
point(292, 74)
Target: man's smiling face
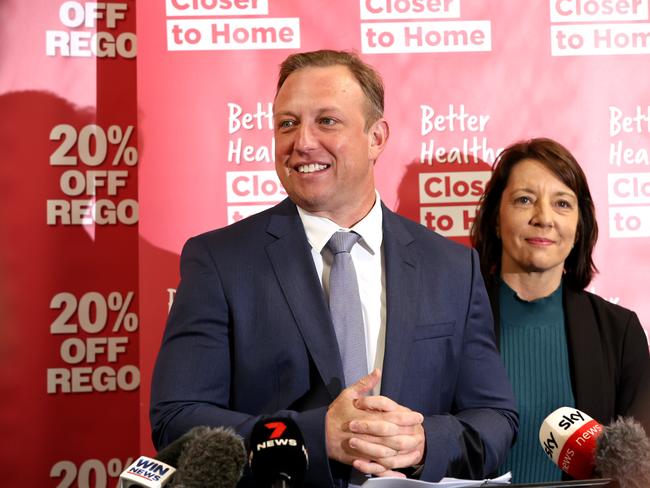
point(324, 156)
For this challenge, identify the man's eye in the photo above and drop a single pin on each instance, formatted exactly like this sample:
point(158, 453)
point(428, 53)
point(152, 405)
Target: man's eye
point(286, 124)
point(327, 121)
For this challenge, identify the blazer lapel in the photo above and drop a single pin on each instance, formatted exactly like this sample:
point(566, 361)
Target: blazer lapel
point(290, 256)
point(401, 283)
point(586, 355)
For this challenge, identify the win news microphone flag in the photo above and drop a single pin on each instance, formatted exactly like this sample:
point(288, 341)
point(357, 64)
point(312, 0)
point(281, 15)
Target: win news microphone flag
point(146, 472)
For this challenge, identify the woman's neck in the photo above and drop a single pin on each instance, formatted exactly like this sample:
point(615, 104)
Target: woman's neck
point(533, 285)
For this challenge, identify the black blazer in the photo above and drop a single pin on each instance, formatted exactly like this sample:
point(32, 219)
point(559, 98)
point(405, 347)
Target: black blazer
point(608, 356)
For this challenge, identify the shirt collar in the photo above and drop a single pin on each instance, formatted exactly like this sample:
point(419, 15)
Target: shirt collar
point(319, 230)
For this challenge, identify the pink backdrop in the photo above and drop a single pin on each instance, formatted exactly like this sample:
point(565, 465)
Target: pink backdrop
point(104, 178)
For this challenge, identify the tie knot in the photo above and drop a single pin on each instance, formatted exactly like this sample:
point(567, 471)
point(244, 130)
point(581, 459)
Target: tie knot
point(342, 241)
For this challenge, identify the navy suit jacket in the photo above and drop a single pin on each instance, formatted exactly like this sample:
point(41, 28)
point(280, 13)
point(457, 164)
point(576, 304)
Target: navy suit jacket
point(249, 334)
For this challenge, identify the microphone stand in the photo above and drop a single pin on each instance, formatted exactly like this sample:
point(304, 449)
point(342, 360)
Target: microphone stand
point(283, 481)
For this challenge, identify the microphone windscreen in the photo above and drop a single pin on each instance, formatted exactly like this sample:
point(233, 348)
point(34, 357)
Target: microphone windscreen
point(172, 452)
point(278, 453)
point(568, 436)
point(214, 457)
point(623, 454)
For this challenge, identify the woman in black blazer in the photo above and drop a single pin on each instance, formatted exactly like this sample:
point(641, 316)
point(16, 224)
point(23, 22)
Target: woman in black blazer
point(535, 231)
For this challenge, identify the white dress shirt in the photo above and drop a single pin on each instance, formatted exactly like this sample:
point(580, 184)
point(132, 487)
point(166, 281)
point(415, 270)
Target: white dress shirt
point(368, 259)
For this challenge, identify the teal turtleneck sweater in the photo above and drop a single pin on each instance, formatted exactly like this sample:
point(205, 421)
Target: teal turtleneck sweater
point(533, 345)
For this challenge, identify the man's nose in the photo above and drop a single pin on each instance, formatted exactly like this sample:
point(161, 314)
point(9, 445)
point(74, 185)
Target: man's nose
point(305, 138)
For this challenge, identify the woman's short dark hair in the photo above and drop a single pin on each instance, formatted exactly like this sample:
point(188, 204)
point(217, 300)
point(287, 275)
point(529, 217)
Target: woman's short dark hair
point(579, 266)
point(369, 80)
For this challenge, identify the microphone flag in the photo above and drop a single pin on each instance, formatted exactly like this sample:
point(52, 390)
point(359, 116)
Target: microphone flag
point(278, 456)
point(146, 472)
point(568, 436)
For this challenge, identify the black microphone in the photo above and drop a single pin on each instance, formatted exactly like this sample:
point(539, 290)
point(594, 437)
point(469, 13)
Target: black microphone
point(278, 456)
point(211, 457)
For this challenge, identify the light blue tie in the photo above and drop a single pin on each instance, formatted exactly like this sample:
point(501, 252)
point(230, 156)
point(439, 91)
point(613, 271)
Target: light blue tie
point(345, 307)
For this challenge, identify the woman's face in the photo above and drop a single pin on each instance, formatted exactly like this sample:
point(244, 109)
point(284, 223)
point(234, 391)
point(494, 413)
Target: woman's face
point(538, 220)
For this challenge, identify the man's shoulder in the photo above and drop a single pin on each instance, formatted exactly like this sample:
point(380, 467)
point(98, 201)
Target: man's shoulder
point(422, 236)
point(248, 232)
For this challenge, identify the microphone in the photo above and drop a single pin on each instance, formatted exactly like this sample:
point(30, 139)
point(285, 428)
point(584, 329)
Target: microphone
point(278, 456)
point(171, 452)
point(146, 472)
point(623, 453)
point(204, 456)
point(568, 436)
point(211, 456)
point(582, 447)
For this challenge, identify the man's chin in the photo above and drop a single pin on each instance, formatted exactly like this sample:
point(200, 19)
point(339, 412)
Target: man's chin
point(312, 205)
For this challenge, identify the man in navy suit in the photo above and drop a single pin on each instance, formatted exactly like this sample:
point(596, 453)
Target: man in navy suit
point(250, 332)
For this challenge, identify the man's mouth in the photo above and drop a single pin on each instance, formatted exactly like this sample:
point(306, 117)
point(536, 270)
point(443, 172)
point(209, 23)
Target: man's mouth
point(311, 167)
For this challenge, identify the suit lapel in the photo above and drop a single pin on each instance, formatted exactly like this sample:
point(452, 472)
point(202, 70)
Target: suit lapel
point(492, 287)
point(401, 283)
point(290, 256)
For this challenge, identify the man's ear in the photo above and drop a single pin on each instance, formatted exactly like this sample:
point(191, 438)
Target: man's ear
point(377, 138)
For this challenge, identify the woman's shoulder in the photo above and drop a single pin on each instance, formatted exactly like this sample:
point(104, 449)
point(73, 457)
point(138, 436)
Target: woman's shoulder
point(605, 310)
